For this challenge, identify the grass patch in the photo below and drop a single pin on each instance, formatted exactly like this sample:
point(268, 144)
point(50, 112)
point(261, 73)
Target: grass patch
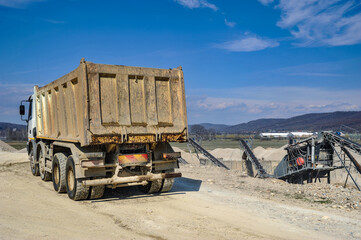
point(326, 201)
point(299, 196)
point(17, 145)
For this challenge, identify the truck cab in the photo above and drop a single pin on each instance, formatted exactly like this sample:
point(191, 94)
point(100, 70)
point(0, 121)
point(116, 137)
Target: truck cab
point(30, 120)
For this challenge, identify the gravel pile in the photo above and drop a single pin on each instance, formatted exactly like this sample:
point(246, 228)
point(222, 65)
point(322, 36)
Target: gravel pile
point(271, 154)
point(313, 195)
point(189, 157)
point(4, 147)
point(24, 150)
point(228, 154)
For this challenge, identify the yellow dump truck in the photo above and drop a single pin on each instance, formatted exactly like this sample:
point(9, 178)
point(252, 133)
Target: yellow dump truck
point(107, 126)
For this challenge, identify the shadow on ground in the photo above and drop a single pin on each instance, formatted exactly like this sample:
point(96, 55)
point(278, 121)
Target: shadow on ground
point(181, 186)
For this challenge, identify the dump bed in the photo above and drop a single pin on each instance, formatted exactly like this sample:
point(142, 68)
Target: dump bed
point(98, 104)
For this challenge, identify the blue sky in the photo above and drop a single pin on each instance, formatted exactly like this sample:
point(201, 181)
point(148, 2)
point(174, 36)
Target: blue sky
point(242, 60)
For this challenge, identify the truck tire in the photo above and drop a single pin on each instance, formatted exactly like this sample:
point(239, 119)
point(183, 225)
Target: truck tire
point(96, 192)
point(44, 175)
point(157, 186)
point(167, 183)
point(58, 176)
point(76, 191)
point(34, 167)
point(152, 187)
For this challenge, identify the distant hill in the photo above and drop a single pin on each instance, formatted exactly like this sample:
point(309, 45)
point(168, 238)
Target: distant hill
point(307, 122)
point(256, 125)
point(11, 131)
point(5, 125)
point(217, 127)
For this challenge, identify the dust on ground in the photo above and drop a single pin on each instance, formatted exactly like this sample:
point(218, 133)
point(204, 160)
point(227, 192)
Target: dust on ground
point(206, 203)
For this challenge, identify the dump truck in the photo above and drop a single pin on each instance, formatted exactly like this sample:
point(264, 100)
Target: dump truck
point(107, 126)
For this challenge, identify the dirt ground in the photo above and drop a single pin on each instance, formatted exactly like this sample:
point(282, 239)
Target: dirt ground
point(206, 203)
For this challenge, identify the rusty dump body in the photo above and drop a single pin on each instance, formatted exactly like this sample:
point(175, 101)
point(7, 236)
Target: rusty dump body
point(113, 104)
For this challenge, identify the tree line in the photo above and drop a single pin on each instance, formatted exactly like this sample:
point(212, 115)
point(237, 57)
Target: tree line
point(201, 133)
point(13, 134)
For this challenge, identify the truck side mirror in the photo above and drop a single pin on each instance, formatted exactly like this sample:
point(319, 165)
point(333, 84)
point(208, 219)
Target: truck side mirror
point(22, 110)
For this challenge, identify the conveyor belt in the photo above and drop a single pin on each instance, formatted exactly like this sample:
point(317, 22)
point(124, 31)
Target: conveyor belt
point(207, 154)
point(342, 142)
point(345, 144)
point(261, 172)
point(352, 159)
point(182, 160)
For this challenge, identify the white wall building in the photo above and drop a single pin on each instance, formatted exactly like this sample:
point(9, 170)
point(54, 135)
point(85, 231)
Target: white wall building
point(286, 134)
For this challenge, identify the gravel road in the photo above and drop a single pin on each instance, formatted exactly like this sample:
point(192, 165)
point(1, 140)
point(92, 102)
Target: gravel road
point(206, 203)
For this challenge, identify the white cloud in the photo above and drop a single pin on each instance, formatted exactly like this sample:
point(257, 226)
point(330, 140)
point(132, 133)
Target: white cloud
point(317, 23)
point(17, 3)
point(213, 103)
point(266, 102)
point(197, 4)
point(248, 44)
point(266, 2)
point(229, 24)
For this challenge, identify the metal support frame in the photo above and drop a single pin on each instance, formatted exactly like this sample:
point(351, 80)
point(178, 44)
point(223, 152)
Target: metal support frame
point(189, 149)
point(313, 152)
point(346, 168)
point(342, 142)
point(314, 167)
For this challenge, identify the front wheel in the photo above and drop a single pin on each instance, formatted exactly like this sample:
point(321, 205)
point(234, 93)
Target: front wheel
point(34, 167)
point(74, 187)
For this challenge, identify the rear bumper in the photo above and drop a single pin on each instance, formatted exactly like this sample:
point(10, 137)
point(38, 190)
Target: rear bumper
point(138, 180)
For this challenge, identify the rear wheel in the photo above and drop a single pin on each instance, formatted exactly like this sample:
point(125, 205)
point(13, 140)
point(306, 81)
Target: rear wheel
point(34, 167)
point(162, 185)
point(168, 182)
point(96, 192)
point(74, 187)
point(44, 175)
point(59, 169)
point(152, 187)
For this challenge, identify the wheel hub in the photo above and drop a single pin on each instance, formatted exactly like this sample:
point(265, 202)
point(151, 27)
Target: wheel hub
point(56, 174)
point(70, 179)
point(42, 163)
